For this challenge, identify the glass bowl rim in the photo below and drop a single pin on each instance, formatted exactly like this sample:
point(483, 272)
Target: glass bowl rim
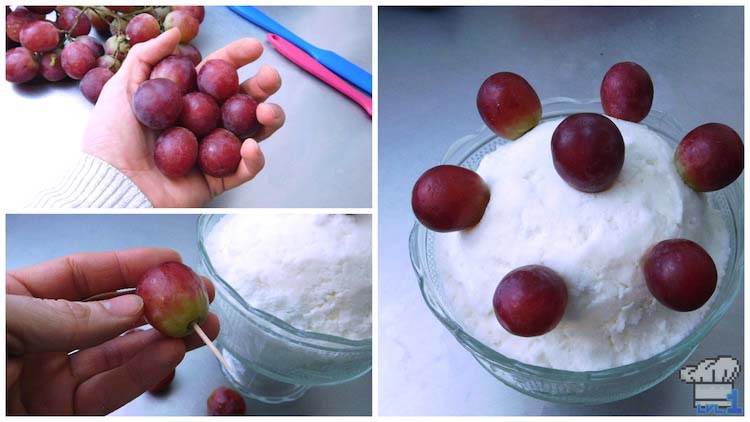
point(735, 268)
point(291, 333)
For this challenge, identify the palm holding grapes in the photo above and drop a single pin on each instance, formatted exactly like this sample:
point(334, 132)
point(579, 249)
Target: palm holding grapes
point(115, 134)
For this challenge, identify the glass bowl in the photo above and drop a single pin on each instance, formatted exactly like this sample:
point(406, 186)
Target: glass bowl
point(586, 387)
point(272, 361)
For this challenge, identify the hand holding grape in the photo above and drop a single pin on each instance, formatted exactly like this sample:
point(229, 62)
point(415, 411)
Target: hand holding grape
point(115, 135)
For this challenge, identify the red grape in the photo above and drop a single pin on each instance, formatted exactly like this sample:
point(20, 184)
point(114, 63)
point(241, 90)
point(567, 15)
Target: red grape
point(627, 92)
point(238, 115)
point(41, 10)
point(200, 113)
point(93, 82)
point(710, 157)
point(20, 65)
point(225, 402)
point(530, 301)
point(40, 36)
point(588, 152)
point(680, 274)
point(142, 28)
point(508, 105)
point(176, 152)
point(157, 103)
point(108, 62)
point(16, 20)
point(51, 66)
point(219, 153)
point(116, 46)
point(92, 43)
point(198, 12)
point(189, 51)
point(185, 22)
point(219, 79)
point(71, 16)
point(449, 198)
point(179, 70)
point(77, 59)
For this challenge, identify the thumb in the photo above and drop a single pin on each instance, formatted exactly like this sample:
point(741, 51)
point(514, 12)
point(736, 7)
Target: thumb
point(47, 325)
point(143, 56)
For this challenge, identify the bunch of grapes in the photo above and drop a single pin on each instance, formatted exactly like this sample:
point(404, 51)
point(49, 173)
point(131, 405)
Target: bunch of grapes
point(188, 105)
point(59, 46)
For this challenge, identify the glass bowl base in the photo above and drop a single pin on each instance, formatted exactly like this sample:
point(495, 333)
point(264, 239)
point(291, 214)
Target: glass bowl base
point(260, 387)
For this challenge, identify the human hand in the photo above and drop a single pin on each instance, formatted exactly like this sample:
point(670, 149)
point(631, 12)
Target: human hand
point(47, 320)
point(114, 134)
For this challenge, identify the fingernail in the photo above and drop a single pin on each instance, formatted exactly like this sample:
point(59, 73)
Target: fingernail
point(124, 305)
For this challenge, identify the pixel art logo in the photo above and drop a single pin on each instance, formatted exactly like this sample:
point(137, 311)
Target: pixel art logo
point(713, 385)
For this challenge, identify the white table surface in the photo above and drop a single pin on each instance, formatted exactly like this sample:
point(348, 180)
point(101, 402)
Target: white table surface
point(431, 63)
point(36, 238)
point(322, 157)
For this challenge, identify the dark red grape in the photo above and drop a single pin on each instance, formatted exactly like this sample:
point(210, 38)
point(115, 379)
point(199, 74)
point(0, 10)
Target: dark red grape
point(116, 46)
point(93, 82)
point(198, 12)
point(449, 198)
point(40, 36)
point(225, 402)
point(238, 115)
point(71, 16)
point(530, 301)
point(20, 65)
point(627, 92)
point(219, 154)
point(92, 43)
point(162, 385)
point(157, 103)
point(179, 70)
point(16, 20)
point(142, 28)
point(200, 113)
point(189, 51)
point(680, 274)
point(108, 62)
point(77, 59)
point(51, 66)
point(219, 79)
point(508, 105)
point(185, 22)
point(41, 10)
point(176, 152)
point(588, 152)
point(710, 157)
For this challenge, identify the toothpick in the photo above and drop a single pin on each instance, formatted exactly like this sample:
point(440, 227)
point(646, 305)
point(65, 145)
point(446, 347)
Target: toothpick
point(211, 346)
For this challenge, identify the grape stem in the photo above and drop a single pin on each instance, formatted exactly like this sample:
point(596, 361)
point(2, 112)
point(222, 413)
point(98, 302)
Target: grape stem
point(211, 346)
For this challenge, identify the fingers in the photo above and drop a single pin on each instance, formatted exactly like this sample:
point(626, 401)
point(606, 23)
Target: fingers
point(264, 84)
point(252, 163)
point(116, 352)
point(107, 391)
point(239, 53)
point(271, 117)
point(143, 56)
point(209, 288)
point(80, 276)
point(44, 325)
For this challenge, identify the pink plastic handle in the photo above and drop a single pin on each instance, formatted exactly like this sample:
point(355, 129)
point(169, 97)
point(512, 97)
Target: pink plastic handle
point(303, 60)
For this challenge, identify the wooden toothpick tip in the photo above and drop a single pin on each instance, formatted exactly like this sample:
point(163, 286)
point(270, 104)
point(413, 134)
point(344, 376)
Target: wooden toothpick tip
point(212, 347)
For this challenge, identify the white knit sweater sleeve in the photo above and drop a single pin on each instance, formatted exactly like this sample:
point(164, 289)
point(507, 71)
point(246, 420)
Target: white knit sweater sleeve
point(92, 183)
